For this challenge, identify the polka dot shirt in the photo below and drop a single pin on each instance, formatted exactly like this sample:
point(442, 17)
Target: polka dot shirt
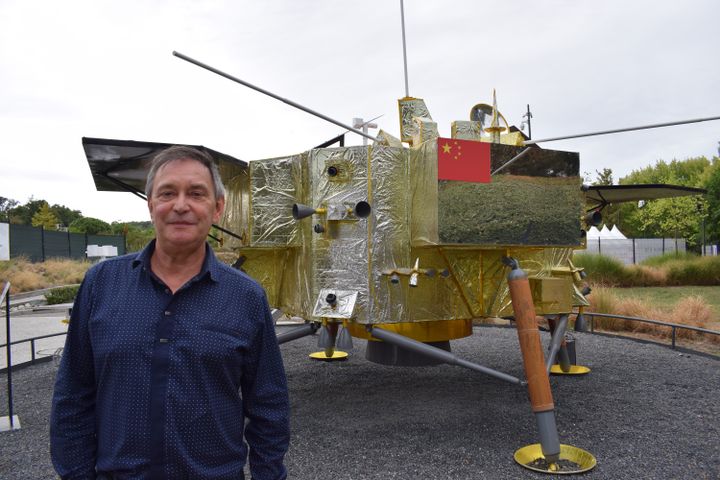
point(155, 385)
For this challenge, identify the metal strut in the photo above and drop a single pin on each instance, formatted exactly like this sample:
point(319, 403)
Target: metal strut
point(298, 332)
point(438, 354)
point(558, 335)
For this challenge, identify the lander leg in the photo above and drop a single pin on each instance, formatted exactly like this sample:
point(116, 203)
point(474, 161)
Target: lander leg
point(326, 341)
point(565, 359)
point(547, 456)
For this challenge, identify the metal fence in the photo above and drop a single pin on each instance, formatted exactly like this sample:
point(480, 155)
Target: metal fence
point(673, 326)
point(38, 244)
point(634, 250)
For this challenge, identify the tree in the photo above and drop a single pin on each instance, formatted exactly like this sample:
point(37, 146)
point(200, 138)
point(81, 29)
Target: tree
point(89, 225)
point(669, 217)
point(6, 204)
point(711, 209)
point(23, 214)
point(137, 234)
point(45, 218)
point(604, 178)
point(65, 215)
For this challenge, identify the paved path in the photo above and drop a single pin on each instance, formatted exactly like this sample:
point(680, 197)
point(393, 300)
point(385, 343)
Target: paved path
point(28, 326)
point(645, 412)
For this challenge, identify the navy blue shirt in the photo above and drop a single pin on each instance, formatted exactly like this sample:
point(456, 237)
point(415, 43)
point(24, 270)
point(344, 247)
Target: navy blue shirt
point(158, 385)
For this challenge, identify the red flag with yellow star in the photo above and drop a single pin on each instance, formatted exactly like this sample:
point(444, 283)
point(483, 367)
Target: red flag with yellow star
point(463, 160)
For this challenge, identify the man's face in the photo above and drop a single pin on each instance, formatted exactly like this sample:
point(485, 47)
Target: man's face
point(182, 204)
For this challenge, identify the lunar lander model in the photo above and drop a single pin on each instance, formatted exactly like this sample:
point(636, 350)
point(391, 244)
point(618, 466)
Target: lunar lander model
point(405, 246)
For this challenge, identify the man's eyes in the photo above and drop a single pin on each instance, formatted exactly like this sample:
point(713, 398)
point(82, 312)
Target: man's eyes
point(167, 194)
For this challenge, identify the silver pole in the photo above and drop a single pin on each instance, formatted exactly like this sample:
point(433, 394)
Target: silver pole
point(620, 130)
point(270, 94)
point(507, 164)
point(402, 20)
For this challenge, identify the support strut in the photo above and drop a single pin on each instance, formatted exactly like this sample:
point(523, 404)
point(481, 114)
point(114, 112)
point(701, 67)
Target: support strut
point(557, 345)
point(437, 353)
point(531, 348)
point(297, 332)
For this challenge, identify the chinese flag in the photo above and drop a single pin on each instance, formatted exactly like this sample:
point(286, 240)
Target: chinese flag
point(463, 160)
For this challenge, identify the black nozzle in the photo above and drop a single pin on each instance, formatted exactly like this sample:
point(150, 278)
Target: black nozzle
point(362, 209)
point(301, 211)
point(593, 218)
point(331, 299)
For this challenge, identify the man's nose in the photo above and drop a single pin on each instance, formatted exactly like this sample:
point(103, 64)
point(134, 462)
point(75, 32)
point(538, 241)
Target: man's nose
point(181, 203)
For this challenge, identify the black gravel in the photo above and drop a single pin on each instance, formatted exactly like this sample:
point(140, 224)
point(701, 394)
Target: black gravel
point(645, 412)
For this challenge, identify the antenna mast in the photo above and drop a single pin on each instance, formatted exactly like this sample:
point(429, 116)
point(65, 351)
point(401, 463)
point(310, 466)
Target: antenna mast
point(402, 21)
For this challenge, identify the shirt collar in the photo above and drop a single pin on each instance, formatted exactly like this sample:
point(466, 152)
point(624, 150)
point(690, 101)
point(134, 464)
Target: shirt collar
point(210, 266)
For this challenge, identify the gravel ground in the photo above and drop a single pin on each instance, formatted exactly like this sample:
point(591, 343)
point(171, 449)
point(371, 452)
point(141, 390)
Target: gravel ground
point(645, 412)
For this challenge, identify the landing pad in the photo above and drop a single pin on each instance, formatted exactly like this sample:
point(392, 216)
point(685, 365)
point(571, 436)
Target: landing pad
point(574, 370)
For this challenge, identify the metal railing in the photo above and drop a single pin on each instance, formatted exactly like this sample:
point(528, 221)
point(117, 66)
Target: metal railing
point(673, 326)
point(33, 354)
point(6, 297)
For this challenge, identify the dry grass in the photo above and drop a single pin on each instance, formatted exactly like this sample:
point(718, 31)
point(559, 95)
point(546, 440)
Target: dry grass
point(693, 311)
point(24, 275)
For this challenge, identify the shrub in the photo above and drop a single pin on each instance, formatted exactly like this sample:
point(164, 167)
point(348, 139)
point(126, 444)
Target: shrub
point(25, 276)
point(62, 295)
point(661, 260)
point(661, 271)
point(693, 310)
point(602, 269)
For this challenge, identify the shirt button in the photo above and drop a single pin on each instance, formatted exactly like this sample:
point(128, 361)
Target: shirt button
point(168, 312)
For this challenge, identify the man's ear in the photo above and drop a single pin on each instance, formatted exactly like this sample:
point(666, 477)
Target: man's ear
point(219, 207)
point(150, 209)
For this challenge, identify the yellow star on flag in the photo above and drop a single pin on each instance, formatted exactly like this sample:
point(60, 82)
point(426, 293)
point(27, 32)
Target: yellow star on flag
point(446, 148)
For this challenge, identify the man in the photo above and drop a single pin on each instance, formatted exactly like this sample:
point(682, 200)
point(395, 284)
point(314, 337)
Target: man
point(170, 354)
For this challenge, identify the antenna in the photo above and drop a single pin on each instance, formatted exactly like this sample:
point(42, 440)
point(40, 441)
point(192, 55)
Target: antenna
point(270, 94)
point(402, 21)
point(620, 130)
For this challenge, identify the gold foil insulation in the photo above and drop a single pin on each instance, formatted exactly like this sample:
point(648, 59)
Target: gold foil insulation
point(392, 258)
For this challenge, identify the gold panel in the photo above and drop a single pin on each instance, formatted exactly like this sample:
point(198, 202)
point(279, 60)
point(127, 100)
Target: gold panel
point(466, 130)
point(411, 108)
point(421, 331)
point(551, 295)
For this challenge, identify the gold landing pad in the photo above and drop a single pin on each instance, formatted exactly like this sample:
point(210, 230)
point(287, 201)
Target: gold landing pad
point(337, 355)
point(572, 460)
point(574, 370)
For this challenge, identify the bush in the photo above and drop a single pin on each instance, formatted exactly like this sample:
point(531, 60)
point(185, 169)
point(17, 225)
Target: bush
point(25, 276)
point(693, 310)
point(698, 271)
point(665, 270)
point(663, 259)
point(62, 295)
point(602, 269)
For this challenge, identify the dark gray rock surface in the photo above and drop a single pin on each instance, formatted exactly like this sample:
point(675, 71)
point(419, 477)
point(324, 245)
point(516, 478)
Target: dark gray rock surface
point(645, 412)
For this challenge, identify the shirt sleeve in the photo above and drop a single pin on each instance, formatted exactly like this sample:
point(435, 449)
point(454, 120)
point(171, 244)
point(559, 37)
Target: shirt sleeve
point(72, 417)
point(265, 401)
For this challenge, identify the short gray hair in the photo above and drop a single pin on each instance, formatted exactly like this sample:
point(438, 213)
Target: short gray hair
point(182, 152)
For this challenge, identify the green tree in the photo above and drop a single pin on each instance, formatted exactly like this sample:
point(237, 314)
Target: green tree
point(137, 234)
point(45, 218)
point(668, 217)
point(89, 225)
point(23, 214)
point(6, 204)
point(604, 178)
point(65, 215)
point(711, 209)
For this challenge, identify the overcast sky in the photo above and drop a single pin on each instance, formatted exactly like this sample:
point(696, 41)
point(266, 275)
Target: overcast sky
point(105, 69)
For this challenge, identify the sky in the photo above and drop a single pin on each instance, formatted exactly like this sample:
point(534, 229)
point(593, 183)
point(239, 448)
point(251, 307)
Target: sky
point(105, 69)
